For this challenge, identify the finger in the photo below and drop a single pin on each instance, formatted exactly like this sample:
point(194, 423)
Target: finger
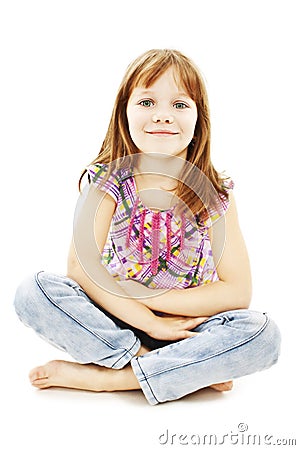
point(187, 334)
point(194, 322)
point(201, 319)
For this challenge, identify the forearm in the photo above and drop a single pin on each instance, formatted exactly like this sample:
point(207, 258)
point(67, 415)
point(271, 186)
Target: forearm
point(113, 298)
point(205, 300)
point(135, 313)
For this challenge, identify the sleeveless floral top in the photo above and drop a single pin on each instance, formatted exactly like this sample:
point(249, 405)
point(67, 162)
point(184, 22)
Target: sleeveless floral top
point(160, 249)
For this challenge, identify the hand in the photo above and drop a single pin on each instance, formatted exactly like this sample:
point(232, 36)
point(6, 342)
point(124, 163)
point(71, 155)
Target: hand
point(173, 328)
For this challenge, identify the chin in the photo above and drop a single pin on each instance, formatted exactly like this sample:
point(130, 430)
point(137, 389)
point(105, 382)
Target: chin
point(178, 153)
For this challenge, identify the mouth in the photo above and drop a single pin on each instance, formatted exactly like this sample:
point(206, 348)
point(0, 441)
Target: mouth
point(162, 133)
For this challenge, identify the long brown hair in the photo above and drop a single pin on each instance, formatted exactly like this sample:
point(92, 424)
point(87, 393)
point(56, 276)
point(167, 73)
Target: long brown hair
point(144, 71)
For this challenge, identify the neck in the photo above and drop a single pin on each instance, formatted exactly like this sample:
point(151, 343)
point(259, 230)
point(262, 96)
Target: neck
point(160, 165)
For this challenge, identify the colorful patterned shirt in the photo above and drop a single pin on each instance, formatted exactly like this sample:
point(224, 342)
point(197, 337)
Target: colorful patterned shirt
point(160, 249)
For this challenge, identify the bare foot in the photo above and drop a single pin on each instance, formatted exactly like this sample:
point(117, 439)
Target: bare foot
point(82, 376)
point(221, 387)
point(91, 377)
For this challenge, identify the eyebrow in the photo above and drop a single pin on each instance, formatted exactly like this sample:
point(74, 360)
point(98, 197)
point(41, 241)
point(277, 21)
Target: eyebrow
point(149, 92)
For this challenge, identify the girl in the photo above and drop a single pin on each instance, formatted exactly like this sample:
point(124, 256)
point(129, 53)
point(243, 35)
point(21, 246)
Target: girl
point(166, 308)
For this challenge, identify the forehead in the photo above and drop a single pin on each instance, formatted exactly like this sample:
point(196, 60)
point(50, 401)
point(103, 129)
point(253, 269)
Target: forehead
point(170, 79)
point(154, 91)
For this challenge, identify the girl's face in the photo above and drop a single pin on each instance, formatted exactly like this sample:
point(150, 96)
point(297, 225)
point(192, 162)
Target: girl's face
point(162, 118)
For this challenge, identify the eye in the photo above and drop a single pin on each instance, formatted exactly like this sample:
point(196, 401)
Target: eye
point(180, 105)
point(147, 103)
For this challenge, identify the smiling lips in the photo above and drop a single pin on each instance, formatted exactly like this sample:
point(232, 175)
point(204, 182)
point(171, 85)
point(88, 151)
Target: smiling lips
point(162, 132)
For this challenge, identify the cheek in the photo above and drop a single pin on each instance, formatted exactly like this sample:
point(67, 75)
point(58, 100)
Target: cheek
point(135, 128)
point(135, 121)
point(189, 125)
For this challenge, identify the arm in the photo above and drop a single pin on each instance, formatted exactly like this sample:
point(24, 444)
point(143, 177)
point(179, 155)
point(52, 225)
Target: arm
point(231, 291)
point(84, 267)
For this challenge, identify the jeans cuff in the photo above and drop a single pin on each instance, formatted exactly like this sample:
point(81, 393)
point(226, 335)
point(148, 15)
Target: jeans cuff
point(144, 383)
point(126, 358)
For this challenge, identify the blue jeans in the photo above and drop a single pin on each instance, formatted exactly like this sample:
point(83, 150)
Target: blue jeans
point(228, 345)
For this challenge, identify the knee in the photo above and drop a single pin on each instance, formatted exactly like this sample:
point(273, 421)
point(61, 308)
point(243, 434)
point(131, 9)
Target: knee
point(25, 298)
point(267, 339)
point(260, 333)
point(272, 341)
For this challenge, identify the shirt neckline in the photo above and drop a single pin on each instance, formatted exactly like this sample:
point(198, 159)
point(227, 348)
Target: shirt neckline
point(140, 202)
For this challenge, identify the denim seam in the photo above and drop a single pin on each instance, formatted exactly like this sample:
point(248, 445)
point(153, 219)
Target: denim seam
point(145, 379)
point(126, 353)
point(77, 321)
point(215, 354)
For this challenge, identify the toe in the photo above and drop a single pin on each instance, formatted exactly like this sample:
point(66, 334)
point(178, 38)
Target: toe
point(228, 386)
point(222, 387)
point(41, 383)
point(39, 377)
point(38, 373)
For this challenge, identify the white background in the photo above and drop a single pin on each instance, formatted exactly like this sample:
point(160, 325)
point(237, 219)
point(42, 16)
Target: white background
point(61, 64)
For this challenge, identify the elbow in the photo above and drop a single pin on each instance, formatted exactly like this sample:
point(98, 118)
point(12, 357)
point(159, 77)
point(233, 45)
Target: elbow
point(72, 268)
point(236, 293)
point(244, 302)
point(243, 297)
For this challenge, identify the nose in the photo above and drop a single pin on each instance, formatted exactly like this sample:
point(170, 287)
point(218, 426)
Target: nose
point(162, 118)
